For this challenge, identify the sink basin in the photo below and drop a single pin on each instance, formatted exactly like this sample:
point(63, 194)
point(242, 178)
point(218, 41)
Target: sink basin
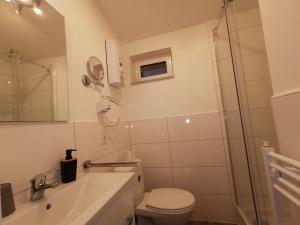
point(76, 203)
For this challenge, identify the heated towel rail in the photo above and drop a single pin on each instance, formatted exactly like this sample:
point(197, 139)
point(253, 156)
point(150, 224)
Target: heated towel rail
point(283, 175)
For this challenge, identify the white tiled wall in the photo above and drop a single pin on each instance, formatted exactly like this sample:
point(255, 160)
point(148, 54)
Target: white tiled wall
point(187, 152)
point(30, 149)
point(286, 109)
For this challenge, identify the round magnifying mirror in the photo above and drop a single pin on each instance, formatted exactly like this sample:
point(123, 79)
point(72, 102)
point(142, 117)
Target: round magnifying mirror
point(95, 68)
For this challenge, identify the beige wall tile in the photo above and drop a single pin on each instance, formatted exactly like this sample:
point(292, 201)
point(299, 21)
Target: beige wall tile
point(153, 155)
point(8, 104)
point(38, 82)
point(246, 204)
point(225, 69)
point(123, 135)
point(198, 153)
point(233, 124)
point(195, 127)
point(36, 101)
point(259, 93)
point(93, 141)
point(6, 88)
point(238, 152)
point(242, 180)
point(217, 208)
point(124, 153)
point(286, 115)
point(157, 178)
point(41, 115)
point(262, 122)
point(229, 96)
point(251, 40)
point(222, 47)
point(247, 18)
point(255, 66)
point(202, 180)
point(149, 131)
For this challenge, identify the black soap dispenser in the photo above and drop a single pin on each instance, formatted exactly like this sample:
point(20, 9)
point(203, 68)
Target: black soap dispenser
point(68, 167)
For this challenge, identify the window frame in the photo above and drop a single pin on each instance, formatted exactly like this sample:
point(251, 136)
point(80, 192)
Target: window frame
point(152, 59)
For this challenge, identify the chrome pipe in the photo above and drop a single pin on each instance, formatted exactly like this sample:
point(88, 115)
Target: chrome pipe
point(88, 164)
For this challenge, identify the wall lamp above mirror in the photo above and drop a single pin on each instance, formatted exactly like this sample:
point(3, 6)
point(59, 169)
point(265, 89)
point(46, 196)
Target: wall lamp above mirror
point(21, 5)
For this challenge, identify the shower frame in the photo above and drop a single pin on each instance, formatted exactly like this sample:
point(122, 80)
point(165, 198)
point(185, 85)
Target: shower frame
point(226, 12)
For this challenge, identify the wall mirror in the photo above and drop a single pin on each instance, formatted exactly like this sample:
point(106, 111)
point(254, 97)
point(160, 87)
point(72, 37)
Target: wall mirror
point(33, 63)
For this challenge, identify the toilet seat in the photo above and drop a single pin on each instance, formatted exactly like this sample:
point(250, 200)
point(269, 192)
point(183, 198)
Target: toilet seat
point(170, 201)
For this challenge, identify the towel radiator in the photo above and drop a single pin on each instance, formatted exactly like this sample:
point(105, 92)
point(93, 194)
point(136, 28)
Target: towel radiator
point(283, 175)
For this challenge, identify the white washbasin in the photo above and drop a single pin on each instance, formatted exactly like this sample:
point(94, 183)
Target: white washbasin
point(71, 204)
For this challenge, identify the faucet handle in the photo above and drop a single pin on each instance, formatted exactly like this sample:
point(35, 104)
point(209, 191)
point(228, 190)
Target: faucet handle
point(38, 180)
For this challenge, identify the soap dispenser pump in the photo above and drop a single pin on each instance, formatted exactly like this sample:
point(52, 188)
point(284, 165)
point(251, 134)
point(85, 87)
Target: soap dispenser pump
point(68, 167)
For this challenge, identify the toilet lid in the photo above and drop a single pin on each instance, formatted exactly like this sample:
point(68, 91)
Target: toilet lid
point(170, 199)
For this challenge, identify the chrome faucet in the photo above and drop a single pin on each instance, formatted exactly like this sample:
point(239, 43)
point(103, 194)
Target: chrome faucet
point(38, 186)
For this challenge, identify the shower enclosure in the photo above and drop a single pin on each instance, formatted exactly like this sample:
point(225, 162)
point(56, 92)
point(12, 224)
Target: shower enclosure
point(245, 87)
point(26, 88)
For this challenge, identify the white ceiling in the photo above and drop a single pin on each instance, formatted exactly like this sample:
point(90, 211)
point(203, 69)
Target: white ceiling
point(137, 19)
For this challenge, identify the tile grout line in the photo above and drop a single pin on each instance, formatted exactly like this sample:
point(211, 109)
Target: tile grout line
point(170, 151)
point(180, 141)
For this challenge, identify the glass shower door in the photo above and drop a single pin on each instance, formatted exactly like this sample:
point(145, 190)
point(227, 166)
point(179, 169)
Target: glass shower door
point(26, 89)
point(255, 91)
point(236, 140)
point(246, 90)
point(8, 87)
point(35, 91)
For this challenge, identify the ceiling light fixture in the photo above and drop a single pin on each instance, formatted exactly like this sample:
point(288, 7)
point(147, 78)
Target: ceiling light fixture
point(19, 9)
point(36, 7)
point(37, 11)
point(21, 4)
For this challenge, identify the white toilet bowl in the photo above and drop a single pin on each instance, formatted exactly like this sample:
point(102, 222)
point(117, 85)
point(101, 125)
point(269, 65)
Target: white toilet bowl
point(167, 206)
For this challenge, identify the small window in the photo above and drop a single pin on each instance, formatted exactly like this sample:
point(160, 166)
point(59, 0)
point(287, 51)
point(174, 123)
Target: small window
point(154, 69)
point(152, 66)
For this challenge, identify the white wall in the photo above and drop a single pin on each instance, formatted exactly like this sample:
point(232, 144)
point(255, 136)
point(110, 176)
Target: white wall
point(86, 32)
point(281, 23)
point(190, 91)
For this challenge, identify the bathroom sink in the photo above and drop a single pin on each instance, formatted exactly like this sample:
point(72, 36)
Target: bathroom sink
point(77, 203)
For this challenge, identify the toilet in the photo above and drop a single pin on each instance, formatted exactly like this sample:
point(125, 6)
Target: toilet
point(165, 206)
